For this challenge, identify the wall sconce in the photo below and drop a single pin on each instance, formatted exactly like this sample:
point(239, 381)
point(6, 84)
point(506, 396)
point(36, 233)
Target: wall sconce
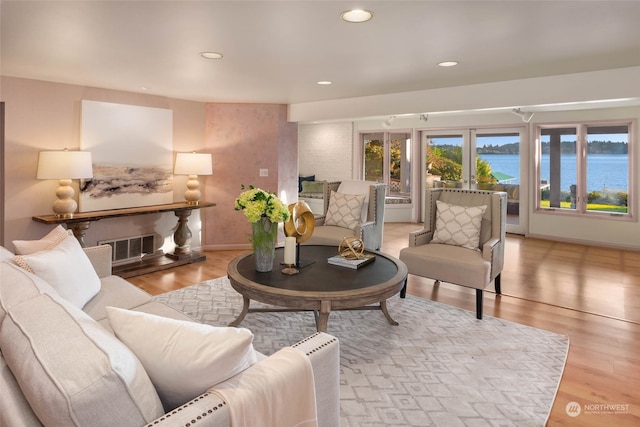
point(193, 164)
point(525, 116)
point(65, 166)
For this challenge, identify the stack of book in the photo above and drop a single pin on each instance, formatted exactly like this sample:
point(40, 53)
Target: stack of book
point(352, 263)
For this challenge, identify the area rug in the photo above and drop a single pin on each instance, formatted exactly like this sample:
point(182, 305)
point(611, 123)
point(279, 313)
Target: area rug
point(440, 367)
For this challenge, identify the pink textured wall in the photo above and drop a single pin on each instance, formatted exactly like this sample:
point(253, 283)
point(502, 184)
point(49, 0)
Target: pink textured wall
point(245, 138)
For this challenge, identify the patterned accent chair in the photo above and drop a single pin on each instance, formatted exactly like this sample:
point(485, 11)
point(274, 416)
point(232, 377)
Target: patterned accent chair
point(352, 208)
point(461, 242)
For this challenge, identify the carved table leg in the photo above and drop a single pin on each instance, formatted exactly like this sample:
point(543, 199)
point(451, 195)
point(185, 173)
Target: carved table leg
point(182, 236)
point(79, 230)
point(243, 313)
point(323, 319)
point(383, 307)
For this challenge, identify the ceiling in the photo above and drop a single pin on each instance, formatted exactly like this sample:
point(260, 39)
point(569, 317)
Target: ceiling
point(276, 51)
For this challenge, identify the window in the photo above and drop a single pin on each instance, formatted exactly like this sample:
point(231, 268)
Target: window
point(387, 159)
point(584, 168)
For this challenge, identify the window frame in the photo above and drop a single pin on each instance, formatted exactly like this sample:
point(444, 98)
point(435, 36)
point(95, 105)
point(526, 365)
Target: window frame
point(581, 170)
point(386, 160)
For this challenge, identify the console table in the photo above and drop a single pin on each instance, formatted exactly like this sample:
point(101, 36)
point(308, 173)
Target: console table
point(182, 254)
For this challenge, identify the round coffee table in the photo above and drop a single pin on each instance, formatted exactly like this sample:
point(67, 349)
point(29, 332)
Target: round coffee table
point(320, 287)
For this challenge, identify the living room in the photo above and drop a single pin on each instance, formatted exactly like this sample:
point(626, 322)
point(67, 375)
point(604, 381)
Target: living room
point(313, 136)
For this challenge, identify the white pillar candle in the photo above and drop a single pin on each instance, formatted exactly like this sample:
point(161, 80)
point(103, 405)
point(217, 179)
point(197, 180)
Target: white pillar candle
point(290, 250)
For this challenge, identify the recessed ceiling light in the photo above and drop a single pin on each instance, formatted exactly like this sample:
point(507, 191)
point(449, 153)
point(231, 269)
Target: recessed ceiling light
point(211, 55)
point(356, 15)
point(447, 63)
point(324, 82)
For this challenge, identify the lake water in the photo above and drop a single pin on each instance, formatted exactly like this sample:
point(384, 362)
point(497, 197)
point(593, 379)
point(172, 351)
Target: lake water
point(609, 171)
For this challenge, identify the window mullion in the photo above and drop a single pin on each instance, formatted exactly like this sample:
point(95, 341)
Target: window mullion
point(581, 168)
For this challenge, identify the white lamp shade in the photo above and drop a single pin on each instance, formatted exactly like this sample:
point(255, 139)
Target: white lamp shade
point(193, 164)
point(64, 165)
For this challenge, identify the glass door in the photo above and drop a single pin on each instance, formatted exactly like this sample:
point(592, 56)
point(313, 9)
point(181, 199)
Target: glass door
point(485, 159)
point(387, 159)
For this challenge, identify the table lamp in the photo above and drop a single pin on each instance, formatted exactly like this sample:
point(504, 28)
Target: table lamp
point(193, 164)
point(64, 166)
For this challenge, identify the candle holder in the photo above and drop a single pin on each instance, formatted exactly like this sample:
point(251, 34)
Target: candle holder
point(301, 263)
point(290, 270)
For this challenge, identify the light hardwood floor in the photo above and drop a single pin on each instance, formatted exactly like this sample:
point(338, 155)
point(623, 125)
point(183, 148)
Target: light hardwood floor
point(590, 294)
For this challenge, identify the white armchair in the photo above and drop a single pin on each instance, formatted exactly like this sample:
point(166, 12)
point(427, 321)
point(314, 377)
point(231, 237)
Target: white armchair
point(444, 258)
point(366, 223)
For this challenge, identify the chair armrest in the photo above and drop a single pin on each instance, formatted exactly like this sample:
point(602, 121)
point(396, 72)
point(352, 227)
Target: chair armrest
point(100, 257)
point(319, 219)
point(364, 227)
point(489, 248)
point(420, 237)
point(323, 350)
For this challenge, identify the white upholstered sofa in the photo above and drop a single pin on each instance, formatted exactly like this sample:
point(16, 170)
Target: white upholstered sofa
point(61, 365)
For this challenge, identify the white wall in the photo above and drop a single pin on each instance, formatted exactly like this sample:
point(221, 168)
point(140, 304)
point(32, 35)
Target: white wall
point(326, 151)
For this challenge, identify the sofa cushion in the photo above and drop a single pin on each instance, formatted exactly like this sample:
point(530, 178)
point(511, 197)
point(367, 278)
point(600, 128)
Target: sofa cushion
point(14, 408)
point(458, 225)
point(163, 345)
point(116, 292)
point(344, 210)
point(72, 371)
point(67, 268)
point(18, 286)
point(55, 236)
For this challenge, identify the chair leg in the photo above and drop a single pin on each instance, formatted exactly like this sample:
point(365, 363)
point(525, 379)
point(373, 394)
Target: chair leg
point(497, 283)
point(478, 303)
point(403, 291)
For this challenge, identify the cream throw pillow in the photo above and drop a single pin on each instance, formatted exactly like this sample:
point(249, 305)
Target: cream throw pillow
point(71, 370)
point(66, 268)
point(183, 359)
point(458, 225)
point(55, 236)
point(344, 210)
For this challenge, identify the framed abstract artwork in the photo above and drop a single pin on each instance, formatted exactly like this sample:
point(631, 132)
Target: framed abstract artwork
point(132, 152)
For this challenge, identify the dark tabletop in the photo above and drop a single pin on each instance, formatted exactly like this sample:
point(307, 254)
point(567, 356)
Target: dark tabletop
point(320, 275)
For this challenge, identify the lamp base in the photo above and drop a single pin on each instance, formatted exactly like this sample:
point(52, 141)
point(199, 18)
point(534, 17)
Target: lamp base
point(192, 195)
point(65, 205)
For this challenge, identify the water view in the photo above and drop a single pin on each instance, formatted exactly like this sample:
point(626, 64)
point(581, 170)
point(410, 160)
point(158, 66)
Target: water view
point(608, 171)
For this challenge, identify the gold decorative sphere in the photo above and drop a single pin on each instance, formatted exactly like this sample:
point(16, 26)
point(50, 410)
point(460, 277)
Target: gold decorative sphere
point(351, 248)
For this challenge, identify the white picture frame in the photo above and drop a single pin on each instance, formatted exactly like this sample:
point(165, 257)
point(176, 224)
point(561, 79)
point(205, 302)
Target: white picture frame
point(132, 151)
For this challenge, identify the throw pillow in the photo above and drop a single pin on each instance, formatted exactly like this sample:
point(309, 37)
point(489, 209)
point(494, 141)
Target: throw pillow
point(183, 358)
point(344, 210)
point(312, 186)
point(458, 225)
point(66, 268)
point(18, 286)
point(301, 179)
point(355, 186)
point(55, 236)
point(71, 370)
